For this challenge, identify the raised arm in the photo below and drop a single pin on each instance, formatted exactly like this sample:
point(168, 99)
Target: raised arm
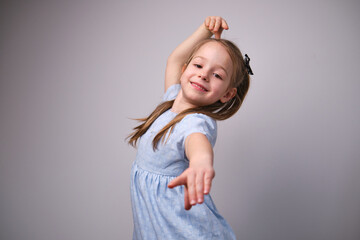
point(177, 59)
point(198, 177)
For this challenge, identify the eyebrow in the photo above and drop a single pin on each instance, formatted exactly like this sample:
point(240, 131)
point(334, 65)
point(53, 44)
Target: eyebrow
point(219, 66)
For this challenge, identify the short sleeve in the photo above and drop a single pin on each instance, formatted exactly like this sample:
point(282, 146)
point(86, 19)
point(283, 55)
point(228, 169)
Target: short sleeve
point(199, 123)
point(171, 92)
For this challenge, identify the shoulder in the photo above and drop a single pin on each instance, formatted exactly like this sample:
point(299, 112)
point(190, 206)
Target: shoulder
point(198, 122)
point(200, 118)
point(171, 92)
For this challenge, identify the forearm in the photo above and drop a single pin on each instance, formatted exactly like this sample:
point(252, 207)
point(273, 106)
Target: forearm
point(198, 177)
point(200, 154)
point(181, 52)
point(178, 58)
point(199, 151)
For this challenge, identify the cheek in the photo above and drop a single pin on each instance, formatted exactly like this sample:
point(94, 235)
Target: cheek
point(220, 87)
point(185, 76)
point(182, 78)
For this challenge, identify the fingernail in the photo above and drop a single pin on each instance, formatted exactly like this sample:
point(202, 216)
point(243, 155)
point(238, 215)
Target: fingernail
point(192, 202)
point(199, 200)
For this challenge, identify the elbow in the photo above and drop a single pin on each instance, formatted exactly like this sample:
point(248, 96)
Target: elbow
point(172, 60)
point(176, 59)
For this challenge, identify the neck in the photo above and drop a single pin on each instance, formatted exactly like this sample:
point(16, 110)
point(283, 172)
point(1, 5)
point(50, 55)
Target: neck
point(180, 104)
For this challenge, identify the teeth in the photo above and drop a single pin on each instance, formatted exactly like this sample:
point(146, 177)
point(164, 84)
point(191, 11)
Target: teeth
point(199, 86)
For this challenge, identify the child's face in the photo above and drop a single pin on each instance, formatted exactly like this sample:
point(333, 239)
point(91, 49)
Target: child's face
point(206, 79)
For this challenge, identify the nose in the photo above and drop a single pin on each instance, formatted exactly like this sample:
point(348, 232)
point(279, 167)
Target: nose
point(203, 76)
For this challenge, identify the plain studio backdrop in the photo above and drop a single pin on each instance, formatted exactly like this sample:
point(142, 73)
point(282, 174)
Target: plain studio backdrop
point(73, 73)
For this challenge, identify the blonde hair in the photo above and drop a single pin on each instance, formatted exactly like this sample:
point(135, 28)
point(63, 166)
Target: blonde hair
point(240, 80)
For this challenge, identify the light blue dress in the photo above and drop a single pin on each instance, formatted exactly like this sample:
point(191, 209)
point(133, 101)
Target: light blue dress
point(158, 211)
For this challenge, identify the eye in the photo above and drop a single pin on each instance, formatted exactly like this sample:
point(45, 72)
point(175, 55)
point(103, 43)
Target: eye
point(217, 76)
point(198, 65)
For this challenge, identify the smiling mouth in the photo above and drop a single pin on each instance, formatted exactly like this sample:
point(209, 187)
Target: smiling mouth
point(198, 86)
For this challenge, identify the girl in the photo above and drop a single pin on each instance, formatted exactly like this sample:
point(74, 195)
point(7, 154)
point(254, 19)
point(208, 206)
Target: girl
point(206, 79)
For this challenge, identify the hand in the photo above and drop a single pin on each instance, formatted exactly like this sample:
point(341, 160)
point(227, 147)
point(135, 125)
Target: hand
point(216, 25)
point(197, 181)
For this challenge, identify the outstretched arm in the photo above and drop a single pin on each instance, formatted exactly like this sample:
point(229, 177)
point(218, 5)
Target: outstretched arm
point(198, 177)
point(177, 59)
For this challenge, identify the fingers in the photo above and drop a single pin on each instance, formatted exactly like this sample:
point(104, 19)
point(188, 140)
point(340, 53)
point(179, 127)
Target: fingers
point(200, 187)
point(199, 184)
point(224, 24)
point(217, 30)
point(186, 199)
point(191, 187)
point(196, 184)
point(217, 34)
point(211, 22)
point(216, 25)
point(207, 22)
point(208, 177)
point(180, 180)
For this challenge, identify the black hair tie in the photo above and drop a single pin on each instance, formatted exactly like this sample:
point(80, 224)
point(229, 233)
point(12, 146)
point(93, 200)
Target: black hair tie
point(247, 65)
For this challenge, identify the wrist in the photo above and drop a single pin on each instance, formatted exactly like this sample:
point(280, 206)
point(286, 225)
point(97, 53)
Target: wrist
point(203, 161)
point(206, 30)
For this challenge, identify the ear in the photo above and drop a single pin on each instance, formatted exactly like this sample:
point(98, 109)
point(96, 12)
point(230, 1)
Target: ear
point(228, 95)
point(183, 68)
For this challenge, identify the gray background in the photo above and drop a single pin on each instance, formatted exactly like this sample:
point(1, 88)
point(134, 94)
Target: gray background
point(73, 73)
